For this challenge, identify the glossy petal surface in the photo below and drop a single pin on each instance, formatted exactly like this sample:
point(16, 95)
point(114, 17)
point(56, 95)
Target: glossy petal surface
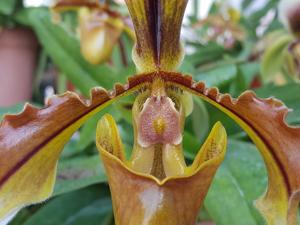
point(26, 140)
point(140, 198)
point(264, 121)
point(157, 25)
point(31, 143)
point(98, 35)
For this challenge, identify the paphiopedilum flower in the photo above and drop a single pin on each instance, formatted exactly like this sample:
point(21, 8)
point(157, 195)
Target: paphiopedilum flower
point(283, 46)
point(226, 31)
point(99, 27)
point(284, 49)
point(154, 186)
point(289, 13)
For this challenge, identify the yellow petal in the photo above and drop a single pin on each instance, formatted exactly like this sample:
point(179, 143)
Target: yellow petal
point(188, 104)
point(98, 35)
point(28, 136)
point(108, 137)
point(31, 143)
point(264, 121)
point(158, 121)
point(157, 26)
point(139, 198)
point(213, 146)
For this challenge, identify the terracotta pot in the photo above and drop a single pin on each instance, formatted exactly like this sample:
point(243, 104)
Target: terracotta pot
point(18, 55)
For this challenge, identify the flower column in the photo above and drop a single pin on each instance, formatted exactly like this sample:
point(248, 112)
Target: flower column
point(155, 187)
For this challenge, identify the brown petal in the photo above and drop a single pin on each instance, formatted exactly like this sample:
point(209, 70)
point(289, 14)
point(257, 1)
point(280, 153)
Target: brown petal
point(62, 5)
point(31, 143)
point(294, 20)
point(264, 121)
point(23, 136)
point(157, 25)
point(99, 33)
point(140, 198)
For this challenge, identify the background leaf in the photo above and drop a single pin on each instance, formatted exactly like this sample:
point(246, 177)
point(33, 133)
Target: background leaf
point(89, 206)
point(289, 94)
point(239, 181)
point(8, 7)
point(65, 52)
point(78, 172)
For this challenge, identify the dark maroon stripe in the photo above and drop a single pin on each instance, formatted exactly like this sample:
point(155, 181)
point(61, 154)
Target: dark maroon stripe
point(294, 19)
point(153, 15)
point(187, 82)
point(173, 77)
point(40, 146)
point(281, 167)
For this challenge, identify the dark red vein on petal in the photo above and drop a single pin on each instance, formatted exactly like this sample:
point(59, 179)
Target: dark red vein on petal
point(177, 79)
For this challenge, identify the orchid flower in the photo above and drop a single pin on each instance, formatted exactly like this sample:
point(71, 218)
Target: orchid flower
point(226, 31)
point(282, 48)
point(154, 186)
point(99, 27)
point(223, 27)
point(289, 14)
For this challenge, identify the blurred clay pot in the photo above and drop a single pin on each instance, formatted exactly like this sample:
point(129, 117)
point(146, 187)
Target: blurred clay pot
point(18, 55)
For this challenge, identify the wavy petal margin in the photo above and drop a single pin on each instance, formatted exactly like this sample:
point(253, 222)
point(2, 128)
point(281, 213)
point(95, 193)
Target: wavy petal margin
point(279, 143)
point(31, 142)
point(140, 198)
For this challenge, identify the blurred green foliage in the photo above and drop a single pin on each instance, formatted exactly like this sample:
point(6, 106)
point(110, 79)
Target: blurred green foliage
point(81, 194)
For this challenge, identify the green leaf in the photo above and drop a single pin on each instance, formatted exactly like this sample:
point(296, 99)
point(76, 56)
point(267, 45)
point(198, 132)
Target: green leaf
point(238, 85)
point(64, 50)
point(247, 167)
point(217, 74)
point(7, 7)
point(21, 217)
point(240, 180)
point(88, 131)
point(225, 202)
point(78, 172)
point(249, 70)
point(187, 67)
point(191, 145)
point(200, 119)
point(90, 206)
point(86, 137)
point(246, 4)
point(272, 60)
point(289, 94)
point(205, 54)
point(11, 110)
point(255, 18)
point(124, 108)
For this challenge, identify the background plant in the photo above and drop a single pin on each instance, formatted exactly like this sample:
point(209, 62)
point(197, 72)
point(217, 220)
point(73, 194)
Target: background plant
point(233, 68)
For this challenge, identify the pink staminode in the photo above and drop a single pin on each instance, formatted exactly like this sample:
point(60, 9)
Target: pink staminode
point(159, 122)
